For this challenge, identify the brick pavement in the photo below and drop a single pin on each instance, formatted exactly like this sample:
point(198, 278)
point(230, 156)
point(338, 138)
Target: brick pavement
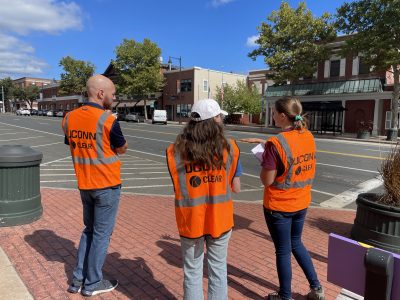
point(144, 253)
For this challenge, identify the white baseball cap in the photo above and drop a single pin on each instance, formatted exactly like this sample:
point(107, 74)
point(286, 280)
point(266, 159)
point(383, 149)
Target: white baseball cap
point(207, 109)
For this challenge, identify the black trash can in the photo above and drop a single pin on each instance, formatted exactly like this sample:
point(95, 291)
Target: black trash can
point(391, 134)
point(20, 199)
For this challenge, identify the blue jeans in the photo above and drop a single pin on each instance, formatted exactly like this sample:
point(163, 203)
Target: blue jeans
point(286, 229)
point(193, 255)
point(99, 212)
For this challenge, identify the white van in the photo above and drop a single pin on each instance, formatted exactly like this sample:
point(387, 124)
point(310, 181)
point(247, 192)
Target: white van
point(160, 116)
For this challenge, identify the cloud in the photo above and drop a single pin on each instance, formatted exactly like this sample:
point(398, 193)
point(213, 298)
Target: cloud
point(217, 3)
point(17, 57)
point(26, 16)
point(251, 41)
point(49, 16)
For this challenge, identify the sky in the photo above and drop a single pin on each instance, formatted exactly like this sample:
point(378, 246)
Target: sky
point(215, 34)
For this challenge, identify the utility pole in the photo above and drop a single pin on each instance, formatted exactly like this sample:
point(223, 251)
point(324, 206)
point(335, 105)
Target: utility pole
point(2, 98)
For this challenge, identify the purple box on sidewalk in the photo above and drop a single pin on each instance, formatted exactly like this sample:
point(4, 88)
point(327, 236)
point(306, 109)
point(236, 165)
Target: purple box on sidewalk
point(346, 266)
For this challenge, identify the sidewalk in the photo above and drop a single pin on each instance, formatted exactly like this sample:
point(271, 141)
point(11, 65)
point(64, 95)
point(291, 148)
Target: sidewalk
point(144, 253)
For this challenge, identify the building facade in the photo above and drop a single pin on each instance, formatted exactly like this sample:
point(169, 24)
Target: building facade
point(24, 82)
point(341, 94)
point(184, 87)
point(50, 100)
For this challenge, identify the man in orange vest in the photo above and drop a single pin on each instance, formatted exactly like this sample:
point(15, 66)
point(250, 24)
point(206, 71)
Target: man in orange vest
point(205, 169)
point(95, 140)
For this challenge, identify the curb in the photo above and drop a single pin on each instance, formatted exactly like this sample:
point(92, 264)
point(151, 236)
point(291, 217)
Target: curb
point(11, 285)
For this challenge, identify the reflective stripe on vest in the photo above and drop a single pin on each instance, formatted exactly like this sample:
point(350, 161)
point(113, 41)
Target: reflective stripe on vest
point(287, 184)
point(186, 201)
point(99, 145)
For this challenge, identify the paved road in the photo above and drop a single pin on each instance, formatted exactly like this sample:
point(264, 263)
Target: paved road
point(344, 168)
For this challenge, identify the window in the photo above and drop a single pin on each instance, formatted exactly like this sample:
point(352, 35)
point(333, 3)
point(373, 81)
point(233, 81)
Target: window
point(363, 68)
point(388, 120)
point(205, 86)
point(335, 68)
point(186, 85)
point(61, 106)
point(68, 107)
point(183, 110)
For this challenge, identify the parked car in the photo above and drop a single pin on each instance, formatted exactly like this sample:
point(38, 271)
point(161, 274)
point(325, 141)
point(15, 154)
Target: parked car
point(65, 112)
point(25, 112)
point(18, 112)
point(40, 112)
point(34, 112)
point(159, 116)
point(121, 116)
point(44, 112)
point(60, 113)
point(50, 113)
point(132, 117)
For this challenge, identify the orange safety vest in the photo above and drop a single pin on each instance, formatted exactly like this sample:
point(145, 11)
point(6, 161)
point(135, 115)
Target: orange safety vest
point(291, 191)
point(96, 165)
point(203, 201)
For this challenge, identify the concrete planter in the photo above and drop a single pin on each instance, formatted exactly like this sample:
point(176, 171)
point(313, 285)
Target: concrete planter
point(363, 135)
point(376, 224)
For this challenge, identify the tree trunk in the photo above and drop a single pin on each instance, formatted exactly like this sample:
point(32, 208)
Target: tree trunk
point(145, 108)
point(394, 105)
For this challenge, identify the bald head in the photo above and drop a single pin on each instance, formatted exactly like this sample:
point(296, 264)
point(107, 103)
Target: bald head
point(101, 90)
point(96, 83)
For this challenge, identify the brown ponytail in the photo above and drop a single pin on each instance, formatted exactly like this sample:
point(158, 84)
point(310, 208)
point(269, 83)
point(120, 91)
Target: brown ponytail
point(293, 110)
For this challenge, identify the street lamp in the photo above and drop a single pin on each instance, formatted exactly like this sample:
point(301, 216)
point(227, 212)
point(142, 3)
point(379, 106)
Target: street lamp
point(180, 81)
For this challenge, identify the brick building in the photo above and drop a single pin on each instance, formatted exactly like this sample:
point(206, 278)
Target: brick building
point(342, 93)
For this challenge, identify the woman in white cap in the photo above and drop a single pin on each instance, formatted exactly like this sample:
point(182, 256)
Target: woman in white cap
point(205, 169)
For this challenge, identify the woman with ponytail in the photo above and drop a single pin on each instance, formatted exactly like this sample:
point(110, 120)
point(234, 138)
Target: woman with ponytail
point(288, 170)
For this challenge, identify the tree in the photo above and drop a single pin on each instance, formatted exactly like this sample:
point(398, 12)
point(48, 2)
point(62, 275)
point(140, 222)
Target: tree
point(76, 73)
point(293, 42)
point(8, 87)
point(240, 98)
point(374, 29)
point(19, 94)
point(31, 94)
point(138, 68)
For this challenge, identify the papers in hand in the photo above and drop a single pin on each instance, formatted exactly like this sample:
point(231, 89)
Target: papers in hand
point(258, 151)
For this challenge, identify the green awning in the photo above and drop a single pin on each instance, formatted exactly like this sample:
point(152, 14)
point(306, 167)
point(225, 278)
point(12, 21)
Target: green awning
point(325, 88)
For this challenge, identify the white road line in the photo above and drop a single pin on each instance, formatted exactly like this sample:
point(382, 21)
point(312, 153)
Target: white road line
point(11, 133)
point(152, 163)
point(71, 169)
point(163, 156)
point(144, 138)
point(57, 181)
point(251, 175)
point(145, 186)
point(27, 138)
point(44, 164)
point(44, 123)
point(46, 145)
point(323, 193)
point(153, 173)
point(65, 165)
point(162, 166)
point(343, 167)
point(347, 197)
point(44, 175)
point(145, 178)
point(314, 190)
point(251, 190)
point(377, 150)
point(33, 129)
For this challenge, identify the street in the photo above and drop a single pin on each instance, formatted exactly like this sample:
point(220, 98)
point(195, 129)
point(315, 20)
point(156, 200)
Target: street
point(344, 168)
